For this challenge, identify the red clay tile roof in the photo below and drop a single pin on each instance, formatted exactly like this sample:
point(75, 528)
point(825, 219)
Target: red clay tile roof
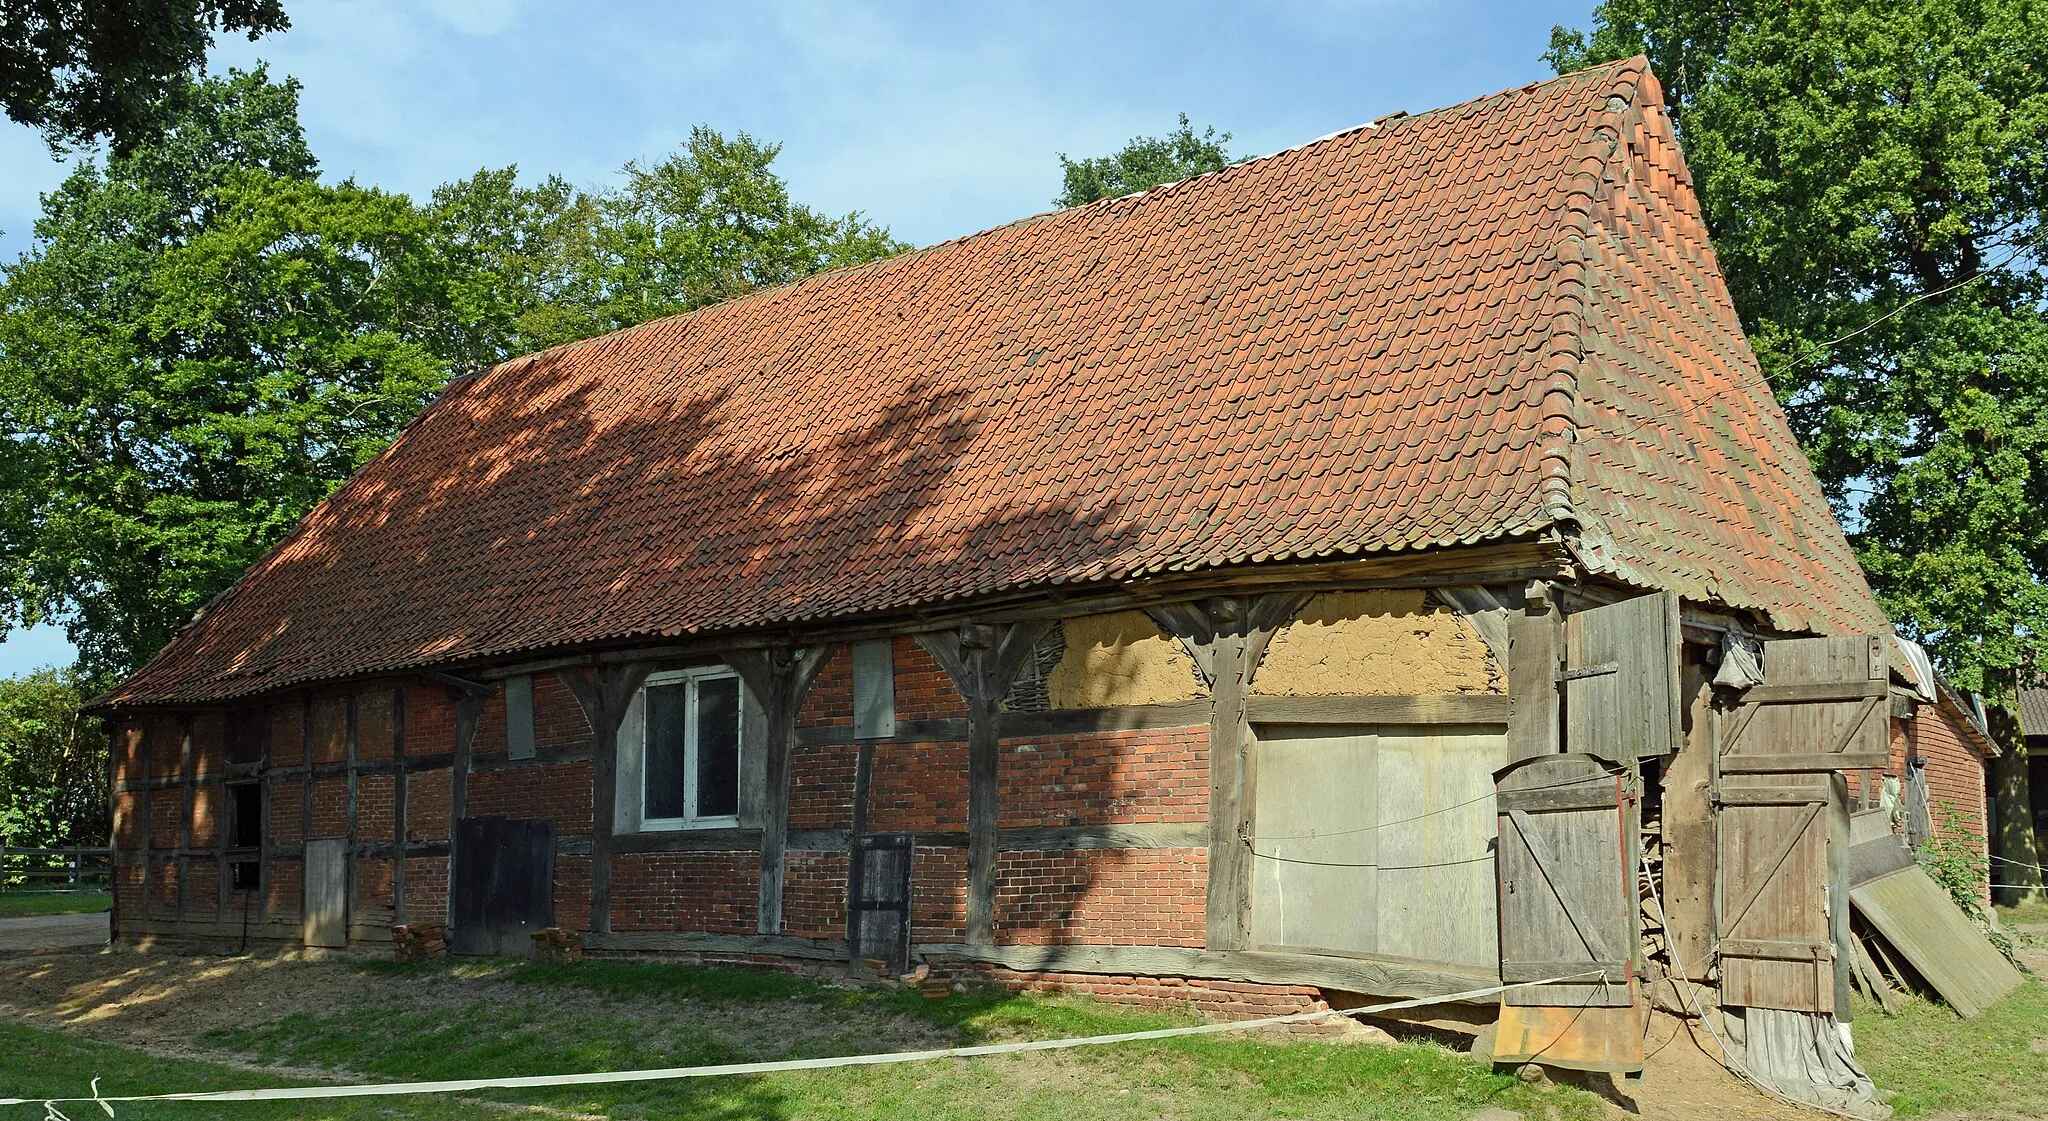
point(1460, 326)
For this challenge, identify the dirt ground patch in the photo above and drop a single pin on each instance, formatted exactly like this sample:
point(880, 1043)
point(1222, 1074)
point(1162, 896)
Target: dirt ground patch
point(168, 1004)
point(180, 1006)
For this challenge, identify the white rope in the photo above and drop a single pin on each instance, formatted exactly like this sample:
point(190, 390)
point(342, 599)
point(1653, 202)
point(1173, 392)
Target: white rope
point(524, 1082)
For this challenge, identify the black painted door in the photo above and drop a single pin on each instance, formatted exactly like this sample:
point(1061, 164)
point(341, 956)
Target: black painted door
point(504, 885)
point(881, 900)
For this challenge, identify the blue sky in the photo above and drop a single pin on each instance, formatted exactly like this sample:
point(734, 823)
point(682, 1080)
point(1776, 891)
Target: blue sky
point(935, 120)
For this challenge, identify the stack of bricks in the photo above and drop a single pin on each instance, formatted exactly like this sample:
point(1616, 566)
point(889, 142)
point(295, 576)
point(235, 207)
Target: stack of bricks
point(419, 941)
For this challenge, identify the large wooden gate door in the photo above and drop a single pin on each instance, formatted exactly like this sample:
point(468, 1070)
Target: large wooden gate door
point(880, 918)
point(1567, 889)
point(1821, 709)
point(504, 885)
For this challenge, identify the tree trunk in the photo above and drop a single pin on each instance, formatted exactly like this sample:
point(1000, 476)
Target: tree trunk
point(2019, 864)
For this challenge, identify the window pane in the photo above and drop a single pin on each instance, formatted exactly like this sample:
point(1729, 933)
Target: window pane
point(718, 747)
point(662, 774)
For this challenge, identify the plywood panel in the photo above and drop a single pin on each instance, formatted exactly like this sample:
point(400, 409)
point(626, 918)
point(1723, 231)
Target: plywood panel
point(1315, 806)
point(1920, 921)
point(325, 921)
point(1436, 867)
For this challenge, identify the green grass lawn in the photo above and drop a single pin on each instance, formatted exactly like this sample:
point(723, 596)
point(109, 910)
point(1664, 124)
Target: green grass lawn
point(2027, 913)
point(1995, 1066)
point(20, 904)
point(564, 1028)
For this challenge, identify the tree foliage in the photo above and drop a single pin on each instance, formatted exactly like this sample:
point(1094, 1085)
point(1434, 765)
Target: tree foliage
point(1873, 173)
point(1144, 163)
point(80, 71)
point(53, 769)
point(206, 338)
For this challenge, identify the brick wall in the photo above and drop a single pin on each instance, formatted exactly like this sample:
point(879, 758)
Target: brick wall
point(1955, 772)
point(1106, 778)
point(330, 808)
point(376, 713)
point(715, 892)
point(558, 721)
point(938, 895)
point(923, 691)
point(429, 721)
point(821, 787)
point(830, 700)
point(426, 889)
point(426, 806)
point(1139, 897)
point(327, 727)
point(372, 892)
point(814, 894)
point(206, 816)
point(375, 798)
point(535, 790)
point(918, 787)
point(1223, 999)
point(287, 733)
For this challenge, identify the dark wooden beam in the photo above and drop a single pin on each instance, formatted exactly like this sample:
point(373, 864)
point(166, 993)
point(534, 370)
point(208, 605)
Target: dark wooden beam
point(779, 678)
point(1234, 632)
point(1462, 708)
point(468, 708)
point(1363, 974)
point(604, 692)
point(983, 660)
point(398, 799)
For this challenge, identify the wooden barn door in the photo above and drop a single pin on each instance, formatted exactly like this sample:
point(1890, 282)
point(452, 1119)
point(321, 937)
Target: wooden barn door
point(504, 885)
point(1621, 687)
point(880, 922)
point(1567, 885)
point(1822, 709)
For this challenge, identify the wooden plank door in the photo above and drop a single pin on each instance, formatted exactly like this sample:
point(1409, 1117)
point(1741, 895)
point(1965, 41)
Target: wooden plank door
point(324, 920)
point(1621, 679)
point(1820, 710)
point(1566, 880)
point(881, 900)
point(504, 885)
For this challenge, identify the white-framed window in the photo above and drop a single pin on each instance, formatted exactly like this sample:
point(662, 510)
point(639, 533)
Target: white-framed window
point(689, 749)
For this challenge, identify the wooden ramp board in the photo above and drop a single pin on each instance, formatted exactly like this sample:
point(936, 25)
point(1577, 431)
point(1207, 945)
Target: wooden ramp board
point(1920, 921)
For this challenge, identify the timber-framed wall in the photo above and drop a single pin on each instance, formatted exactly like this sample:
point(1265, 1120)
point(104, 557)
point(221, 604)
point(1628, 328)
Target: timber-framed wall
point(1099, 839)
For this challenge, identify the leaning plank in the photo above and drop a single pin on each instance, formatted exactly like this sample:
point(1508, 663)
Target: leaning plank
point(1872, 978)
point(1466, 708)
point(689, 942)
point(1374, 976)
point(1924, 925)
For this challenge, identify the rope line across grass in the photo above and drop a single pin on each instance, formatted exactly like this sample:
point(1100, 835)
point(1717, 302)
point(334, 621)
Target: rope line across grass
point(543, 1081)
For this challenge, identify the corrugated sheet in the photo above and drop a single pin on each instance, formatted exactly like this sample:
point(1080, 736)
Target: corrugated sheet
point(1461, 326)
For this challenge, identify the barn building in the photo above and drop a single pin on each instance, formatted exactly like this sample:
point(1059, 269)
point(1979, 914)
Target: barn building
point(1350, 573)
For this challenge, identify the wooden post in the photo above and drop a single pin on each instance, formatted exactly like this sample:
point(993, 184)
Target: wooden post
point(348, 855)
point(146, 849)
point(779, 678)
point(863, 775)
point(604, 692)
point(188, 765)
point(983, 661)
point(305, 799)
point(398, 796)
point(1228, 636)
point(469, 706)
point(1533, 658)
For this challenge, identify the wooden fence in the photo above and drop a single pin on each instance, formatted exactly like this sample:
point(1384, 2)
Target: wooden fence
point(55, 869)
